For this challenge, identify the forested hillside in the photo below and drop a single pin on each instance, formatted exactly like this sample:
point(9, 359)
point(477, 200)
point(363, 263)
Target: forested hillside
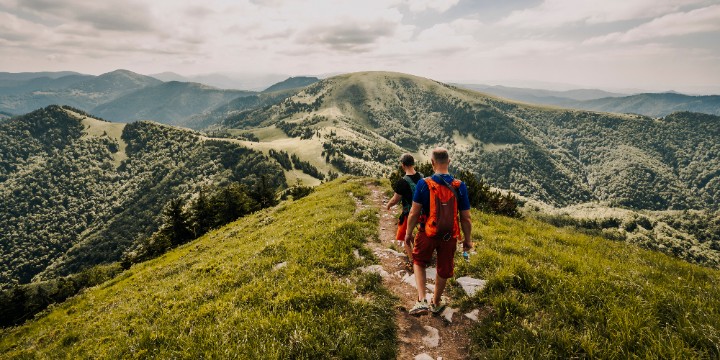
point(559, 156)
point(76, 191)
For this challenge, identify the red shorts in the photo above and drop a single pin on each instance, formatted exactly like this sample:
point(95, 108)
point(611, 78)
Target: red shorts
point(423, 250)
point(402, 227)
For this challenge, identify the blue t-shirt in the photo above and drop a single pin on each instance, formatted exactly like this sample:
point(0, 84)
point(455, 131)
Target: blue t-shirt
point(422, 193)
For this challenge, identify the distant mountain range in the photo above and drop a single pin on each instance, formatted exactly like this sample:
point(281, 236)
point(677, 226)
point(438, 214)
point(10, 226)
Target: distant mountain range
point(540, 96)
point(82, 91)
point(125, 96)
point(654, 105)
point(250, 82)
point(172, 103)
point(648, 104)
point(195, 101)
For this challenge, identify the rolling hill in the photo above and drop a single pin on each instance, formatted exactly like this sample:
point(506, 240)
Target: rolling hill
point(85, 94)
point(269, 286)
point(76, 191)
point(172, 103)
point(359, 123)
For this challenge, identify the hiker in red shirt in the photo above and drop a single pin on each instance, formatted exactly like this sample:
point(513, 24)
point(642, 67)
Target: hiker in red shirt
point(440, 199)
point(404, 189)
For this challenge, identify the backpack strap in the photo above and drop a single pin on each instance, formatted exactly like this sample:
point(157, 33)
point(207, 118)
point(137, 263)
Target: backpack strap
point(412, 185)
point(454, 186)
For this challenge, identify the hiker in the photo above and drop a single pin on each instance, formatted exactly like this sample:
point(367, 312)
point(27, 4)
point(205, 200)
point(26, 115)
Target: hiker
point(437, 202)
point(404, 190)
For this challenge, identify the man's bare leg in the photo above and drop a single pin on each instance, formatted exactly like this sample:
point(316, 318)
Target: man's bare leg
point(439, 288)
point(420, 281)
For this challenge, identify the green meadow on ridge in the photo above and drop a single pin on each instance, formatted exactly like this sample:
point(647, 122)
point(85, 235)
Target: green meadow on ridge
point(283, 283)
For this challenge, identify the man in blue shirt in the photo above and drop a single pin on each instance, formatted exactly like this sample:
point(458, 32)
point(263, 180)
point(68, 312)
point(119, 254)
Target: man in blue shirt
point(426, 245)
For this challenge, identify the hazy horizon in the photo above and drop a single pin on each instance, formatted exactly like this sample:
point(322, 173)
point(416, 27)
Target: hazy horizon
point(638, 45)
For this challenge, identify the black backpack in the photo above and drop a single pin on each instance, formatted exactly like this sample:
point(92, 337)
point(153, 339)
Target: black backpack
point(413, 185)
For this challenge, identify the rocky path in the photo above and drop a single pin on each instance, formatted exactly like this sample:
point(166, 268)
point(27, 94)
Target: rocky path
point(425, 337)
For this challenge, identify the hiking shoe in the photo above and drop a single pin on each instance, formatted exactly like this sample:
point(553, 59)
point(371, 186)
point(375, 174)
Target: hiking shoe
point(420, 308)
point(438, 309)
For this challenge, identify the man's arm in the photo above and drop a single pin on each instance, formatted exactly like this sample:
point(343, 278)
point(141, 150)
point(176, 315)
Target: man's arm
point(412, 221)
point(394, 200)
point(466, 226)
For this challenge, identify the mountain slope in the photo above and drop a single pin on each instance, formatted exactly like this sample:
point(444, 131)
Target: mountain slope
point(172, 103)
point(270, 286)
point(359, 123)
point(266, 286)
point(76, 191)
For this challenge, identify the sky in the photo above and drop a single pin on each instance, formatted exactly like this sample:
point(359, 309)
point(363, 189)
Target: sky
point(654, 45)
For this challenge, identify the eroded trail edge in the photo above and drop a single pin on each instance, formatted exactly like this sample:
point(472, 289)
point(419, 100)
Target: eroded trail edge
point(425, 337)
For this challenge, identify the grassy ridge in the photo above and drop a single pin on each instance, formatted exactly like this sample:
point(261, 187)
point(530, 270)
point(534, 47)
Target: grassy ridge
point(556, 293)
point(224, 295)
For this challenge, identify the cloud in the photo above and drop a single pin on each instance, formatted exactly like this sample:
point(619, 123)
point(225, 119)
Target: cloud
point(348, 36)
point(128, 16)
point(436, 5)
point(558, 13)
point(15, 29)
point(701, 20)
point(528, 47)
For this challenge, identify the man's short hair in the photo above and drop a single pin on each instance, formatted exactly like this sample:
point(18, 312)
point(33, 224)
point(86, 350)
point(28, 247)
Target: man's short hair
point(440, 155)
point(407, 159)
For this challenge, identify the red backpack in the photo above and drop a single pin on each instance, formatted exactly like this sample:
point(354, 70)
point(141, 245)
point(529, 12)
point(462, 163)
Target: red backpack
point(442, 221)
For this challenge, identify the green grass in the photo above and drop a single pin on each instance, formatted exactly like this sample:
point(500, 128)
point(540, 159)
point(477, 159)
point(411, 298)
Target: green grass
point(221, 296)
point(555, 293)
point(552, 293)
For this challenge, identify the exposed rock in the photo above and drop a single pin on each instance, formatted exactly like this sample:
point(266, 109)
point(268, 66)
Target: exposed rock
point(448, 313)
point(471, 285)
point(393, 252)
point(356, 252)
point(377, 269)
point(424, 356)
point(431, 273)
point(432, 339)
point(279, 266)
point(410, 279)
point(473, 315)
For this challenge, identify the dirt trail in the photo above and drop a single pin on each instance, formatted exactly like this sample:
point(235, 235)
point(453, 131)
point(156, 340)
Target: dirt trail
point(417, 335)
